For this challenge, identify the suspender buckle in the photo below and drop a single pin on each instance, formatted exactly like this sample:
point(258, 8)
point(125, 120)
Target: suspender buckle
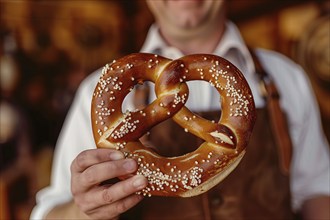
point(267, 88)
point(262, 89)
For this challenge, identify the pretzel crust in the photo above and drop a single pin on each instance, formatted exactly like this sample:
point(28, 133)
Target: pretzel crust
point(225, 141)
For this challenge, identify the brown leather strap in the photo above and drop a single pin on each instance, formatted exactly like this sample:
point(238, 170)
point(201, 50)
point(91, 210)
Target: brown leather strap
point(140, 101)
point(277, 116)
point(206, 206)
point(141, 96)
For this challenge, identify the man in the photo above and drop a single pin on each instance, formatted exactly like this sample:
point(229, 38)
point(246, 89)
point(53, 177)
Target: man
point(256, 189)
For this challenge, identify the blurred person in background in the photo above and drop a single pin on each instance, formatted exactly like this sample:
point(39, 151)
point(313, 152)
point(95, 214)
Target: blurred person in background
point(257, 189)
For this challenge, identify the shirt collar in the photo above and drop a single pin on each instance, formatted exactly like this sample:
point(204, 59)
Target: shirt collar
point(231, 41)
point(154, 42)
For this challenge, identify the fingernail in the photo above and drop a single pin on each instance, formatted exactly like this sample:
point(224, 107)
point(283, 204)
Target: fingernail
point(139, 182)
point(116, 155)
point(129, 165)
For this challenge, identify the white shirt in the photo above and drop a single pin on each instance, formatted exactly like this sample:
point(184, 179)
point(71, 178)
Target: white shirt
point(310, 162)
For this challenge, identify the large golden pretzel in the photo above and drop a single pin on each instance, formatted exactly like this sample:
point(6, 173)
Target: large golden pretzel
point(225, 142)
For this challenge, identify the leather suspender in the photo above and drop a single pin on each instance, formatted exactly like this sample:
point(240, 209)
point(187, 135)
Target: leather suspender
point(277, 117)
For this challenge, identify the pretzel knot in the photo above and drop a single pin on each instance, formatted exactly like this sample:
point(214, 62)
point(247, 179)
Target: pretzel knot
point(225, 141)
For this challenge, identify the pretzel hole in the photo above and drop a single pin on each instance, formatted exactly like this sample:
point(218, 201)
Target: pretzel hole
point(170, 139)
point(138, 96)
point(207, 101)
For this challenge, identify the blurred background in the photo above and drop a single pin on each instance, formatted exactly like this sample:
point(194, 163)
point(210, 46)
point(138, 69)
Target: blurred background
point(48, 47)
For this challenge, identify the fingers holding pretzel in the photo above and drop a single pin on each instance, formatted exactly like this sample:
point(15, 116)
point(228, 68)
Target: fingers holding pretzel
point(225, 141)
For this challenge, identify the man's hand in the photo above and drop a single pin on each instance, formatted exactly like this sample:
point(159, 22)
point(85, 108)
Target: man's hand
point(104, 201)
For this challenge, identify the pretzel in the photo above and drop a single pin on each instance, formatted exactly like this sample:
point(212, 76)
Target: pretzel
point(225, 141)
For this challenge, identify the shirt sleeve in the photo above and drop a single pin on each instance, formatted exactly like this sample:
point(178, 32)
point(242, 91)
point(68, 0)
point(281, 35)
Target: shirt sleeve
point(76, 136)
point(309, 175)
point(310, 163)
